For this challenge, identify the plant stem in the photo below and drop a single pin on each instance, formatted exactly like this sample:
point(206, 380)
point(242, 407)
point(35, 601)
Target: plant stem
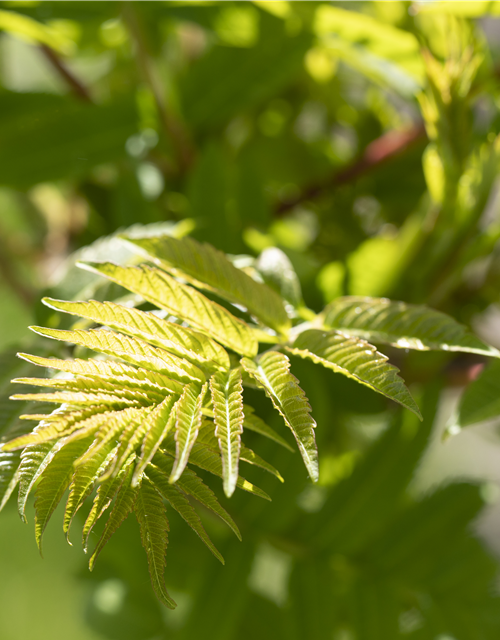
point(74, 83)
point(383, 149)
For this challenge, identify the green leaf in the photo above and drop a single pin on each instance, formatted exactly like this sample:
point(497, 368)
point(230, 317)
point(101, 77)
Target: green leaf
point(181, 504)
point(272, 371)
point(83, 482)
point(278, 273)
point(124, 504)
point(182, 301)
point(34, 460)
point(160, 422)
point(208, 268)
point(401, 325)
point(356, 359)
point(105, 494)
point(362, 504)
point(152, 517)
point(187, 424)
point(481, 399)
point(88, 385)
point(77, 398)
point(9, 475)
point(208, 459)
point(132, 350)
point(423, 538)
point(39, 141)
point(117, 373)
point(55, 479)
point(191, 484)
point(181, 341)
point(227, 398)
point(34, 32)
point(118, 426)
point(228, 81)
point(207, 436)
point(129, 439)
point(59, 424)
point(252, 422)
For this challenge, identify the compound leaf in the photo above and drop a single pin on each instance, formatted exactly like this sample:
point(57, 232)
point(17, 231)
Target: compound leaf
point(401, 325)
point(356, 359)
point(272, 371)
point(182, 301)
point(129, 349)
point(206, 267)
point(181, 341)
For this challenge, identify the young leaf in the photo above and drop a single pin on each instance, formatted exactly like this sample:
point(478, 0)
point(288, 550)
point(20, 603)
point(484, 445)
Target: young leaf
point(206, 267)
point(34, 460)
point(117, 373)
point(187, 424)
point(272, 371)
point(131, 350)
point(55, 479)
point(208, 459)
point(152, 517)
point(207, 436)
point(182, 505)
point(118, 423)
point(401, 325)
point(60, 423)
point(356, 359)
point(252, 422)
point(123, 505)
point(93, 386)
point(183, 302)
point(227, 398)
point(83, 482)
point(481, 399)
point(192, 484)
point(9, 475)
point(278, 273)
point(78, 398)
point(160, 422)
point(181, 341)
point(249, 456)
point(130, 437)
point(105, 494)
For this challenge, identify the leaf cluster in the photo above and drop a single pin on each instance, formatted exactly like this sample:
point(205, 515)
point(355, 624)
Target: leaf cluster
point(165, 391)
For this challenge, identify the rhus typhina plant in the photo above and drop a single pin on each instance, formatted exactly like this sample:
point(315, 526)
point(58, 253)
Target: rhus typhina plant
point(165, 393)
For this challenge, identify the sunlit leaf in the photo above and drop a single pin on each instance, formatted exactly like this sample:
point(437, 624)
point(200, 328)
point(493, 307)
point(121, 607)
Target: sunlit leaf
point(187, 424)
point(206, 267)
point(272, 371)
point(132, 350)
point(183, 302)
point(401, 325)
point(123, 505)
point(181, 341)
point(356, 359)
point(227, 397)
point(181, 504)
point(152, 517)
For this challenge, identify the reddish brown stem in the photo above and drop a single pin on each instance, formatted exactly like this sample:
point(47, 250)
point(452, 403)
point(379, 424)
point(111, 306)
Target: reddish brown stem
point(389, 146)
point(76, 85)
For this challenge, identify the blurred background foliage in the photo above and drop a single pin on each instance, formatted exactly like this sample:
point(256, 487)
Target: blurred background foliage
point(360, 139)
